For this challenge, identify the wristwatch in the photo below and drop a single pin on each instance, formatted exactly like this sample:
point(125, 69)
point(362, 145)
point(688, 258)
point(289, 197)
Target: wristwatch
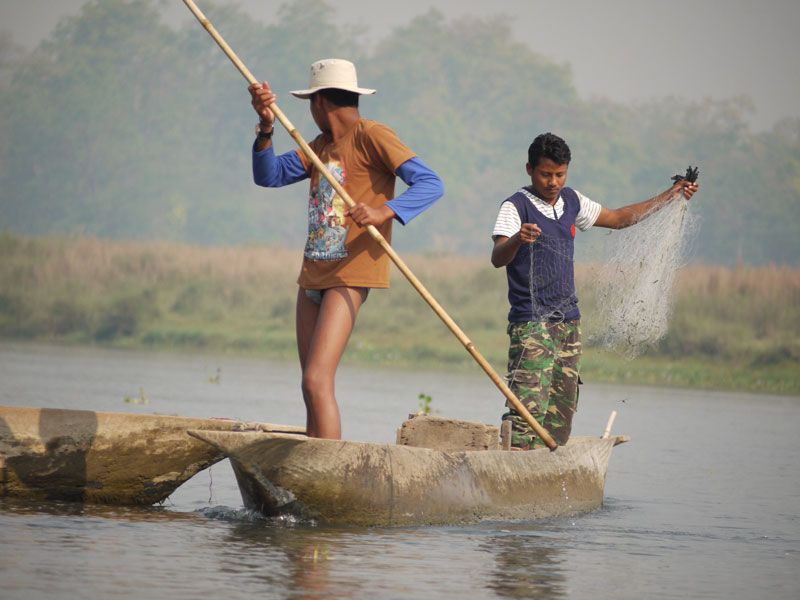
point(264, 135)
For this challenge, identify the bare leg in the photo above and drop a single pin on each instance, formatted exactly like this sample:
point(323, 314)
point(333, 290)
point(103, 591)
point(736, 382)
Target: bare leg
point(322, 334)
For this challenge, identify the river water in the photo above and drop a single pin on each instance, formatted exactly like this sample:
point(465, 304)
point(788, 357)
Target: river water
point(704, 502)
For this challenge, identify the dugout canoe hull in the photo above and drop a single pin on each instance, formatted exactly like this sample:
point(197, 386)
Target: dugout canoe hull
point(103, 457)
point(370, 484)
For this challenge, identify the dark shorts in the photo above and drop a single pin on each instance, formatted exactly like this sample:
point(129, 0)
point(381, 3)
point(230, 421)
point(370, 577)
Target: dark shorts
point(316, 295)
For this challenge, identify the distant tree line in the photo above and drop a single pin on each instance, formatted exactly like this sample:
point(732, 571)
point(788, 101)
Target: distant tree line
point(120, 126)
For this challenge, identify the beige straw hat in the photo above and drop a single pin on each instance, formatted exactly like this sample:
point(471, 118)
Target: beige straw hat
point(335, 73)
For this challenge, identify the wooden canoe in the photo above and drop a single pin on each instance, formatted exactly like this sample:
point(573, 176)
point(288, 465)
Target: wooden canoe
point(371, 484)
point(104, 457)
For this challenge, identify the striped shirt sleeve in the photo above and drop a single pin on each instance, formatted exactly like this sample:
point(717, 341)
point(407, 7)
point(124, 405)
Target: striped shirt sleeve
point(508, 222)
point(588, 213)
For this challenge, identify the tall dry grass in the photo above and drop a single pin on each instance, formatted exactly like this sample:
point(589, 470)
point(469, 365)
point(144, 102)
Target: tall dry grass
point(105, 264)
point(742, 314)
point(90, 289)
point(242, 298)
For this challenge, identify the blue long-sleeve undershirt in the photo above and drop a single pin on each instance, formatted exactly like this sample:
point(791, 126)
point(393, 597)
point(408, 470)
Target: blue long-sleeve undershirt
point(424, 189)
point(424, 186)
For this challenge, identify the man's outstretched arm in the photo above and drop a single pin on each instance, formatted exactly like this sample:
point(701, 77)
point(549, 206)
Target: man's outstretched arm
point(619, 218)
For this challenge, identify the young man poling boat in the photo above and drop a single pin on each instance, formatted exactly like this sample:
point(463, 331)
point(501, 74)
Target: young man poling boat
point(341, 262)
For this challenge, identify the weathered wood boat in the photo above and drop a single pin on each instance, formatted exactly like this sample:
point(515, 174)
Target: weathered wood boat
point(373, 484)
point(104, 457)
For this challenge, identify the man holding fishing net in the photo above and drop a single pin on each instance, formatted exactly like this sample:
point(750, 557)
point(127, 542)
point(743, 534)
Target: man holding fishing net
point(534, 239)
point(341, 262)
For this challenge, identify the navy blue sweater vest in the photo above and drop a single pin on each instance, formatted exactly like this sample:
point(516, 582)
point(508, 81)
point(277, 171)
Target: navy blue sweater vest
point(542, 288)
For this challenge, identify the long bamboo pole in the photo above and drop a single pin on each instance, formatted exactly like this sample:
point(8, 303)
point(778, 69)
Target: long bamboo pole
point(376, 235)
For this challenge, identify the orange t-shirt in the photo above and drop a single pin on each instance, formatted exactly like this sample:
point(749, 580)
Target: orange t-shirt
point(338, 252)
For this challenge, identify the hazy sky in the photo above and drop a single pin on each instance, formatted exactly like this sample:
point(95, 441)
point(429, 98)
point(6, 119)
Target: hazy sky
point(625, 50)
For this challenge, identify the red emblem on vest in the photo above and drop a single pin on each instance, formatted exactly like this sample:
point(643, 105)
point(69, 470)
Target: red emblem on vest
point(572, 229)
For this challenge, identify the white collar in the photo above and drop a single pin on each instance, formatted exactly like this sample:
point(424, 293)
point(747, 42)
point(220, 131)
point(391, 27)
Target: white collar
point(544, 207)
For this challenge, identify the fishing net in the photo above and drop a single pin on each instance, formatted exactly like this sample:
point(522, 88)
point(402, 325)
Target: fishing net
point(551, 281)
point(635, 284)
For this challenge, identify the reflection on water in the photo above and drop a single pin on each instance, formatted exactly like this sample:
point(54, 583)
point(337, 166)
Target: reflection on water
point(526, 567)
point(61, 508)
point(307, 557)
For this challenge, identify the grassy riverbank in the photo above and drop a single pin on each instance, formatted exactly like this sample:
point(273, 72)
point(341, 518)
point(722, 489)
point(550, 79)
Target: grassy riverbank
point(735, 329)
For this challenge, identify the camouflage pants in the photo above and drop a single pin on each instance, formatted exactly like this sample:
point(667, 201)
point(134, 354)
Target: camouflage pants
point(543, 364)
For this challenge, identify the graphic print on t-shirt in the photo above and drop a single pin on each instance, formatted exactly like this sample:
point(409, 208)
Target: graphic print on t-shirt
point(326, 230)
